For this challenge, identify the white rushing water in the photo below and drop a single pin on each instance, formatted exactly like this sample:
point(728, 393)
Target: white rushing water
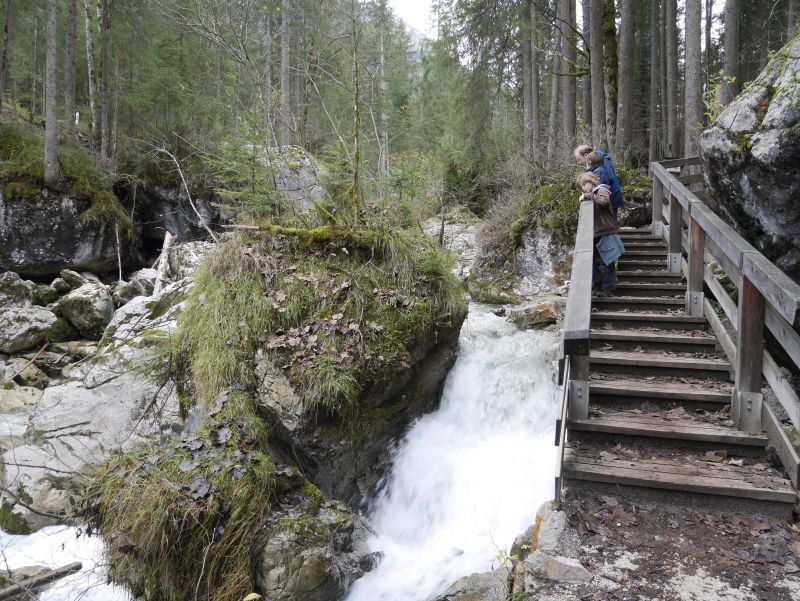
point(58, 546)
point(468, 478)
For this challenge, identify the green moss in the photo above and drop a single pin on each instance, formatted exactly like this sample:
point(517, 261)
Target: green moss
point(183, 520)
point(10, 522)
point(339, 309)
point(22, 174)
point(61, 331)
point(555, 206)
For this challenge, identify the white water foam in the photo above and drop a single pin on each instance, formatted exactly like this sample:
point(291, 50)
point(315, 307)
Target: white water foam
point(58, 546)
point(468, 478)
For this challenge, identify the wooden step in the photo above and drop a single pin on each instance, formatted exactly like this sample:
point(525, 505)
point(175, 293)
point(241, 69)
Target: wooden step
point(644, 255)
point(650, 425)
point(636, 303)
point(630, 275)
point(627, 288)
point(743, 483)
point(638, 231)
point(626, 320)
point(653, 340)
point(637, 390)
point(654, 364)
point(646, 245)
point(626, 264)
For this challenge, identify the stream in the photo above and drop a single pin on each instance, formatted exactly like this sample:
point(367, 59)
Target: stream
point(465, 481)
point(468, 478)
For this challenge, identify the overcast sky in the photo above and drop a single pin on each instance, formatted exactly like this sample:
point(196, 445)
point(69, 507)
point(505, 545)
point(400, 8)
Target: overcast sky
point(416, 13)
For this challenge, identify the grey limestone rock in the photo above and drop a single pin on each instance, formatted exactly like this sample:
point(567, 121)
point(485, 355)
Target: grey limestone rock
point(89, 308)
point(487, 586)
point(22, 328)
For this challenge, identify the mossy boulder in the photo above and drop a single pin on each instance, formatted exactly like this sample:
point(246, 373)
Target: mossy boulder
point(89, 308)
point(24, 328)
point(750, 158)
point(61, 331)
point(14, 291)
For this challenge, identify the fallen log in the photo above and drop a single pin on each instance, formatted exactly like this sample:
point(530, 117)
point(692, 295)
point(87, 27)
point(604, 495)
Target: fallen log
point(31, 584)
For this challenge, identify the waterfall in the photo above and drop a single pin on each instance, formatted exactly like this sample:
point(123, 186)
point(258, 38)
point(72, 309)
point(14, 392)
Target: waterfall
point(468, 478)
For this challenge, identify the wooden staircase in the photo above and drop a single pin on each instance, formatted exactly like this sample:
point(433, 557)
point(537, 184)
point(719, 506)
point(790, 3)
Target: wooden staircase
point(659, 422)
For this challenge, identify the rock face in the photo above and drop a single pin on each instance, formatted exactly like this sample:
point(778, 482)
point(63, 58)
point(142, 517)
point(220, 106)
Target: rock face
point(297, 175)
point(750, 158)
point(459, 235)
point(348, 464)
point(39, 237)
point(112, 400)
point(14, 291)
point(315, 548)
point(541, 263)
point(23, 328)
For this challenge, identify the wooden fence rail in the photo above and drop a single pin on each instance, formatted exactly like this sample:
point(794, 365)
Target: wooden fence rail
point(766, 297)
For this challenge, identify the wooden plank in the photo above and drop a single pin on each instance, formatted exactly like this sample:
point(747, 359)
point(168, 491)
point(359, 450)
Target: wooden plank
point(705, 484)
point(788, 338)
point(652, 337)
point(654, 317)
point(781, 443)
point(640, 273)
point(727, 265)
point(694, 466)
point(576, 325)
point(638, 300)
point(659, 419)
point(674, 241)
point(721, 296)
point(720, 332)
point(688, 180)
point(782, 389)
point(677, 288)
point(658, 202)
point(724, 236)
point(633, 388)
point(645, 360)
point(684, 162)
point(673, 431)
point(776, 287)
point(701, 195)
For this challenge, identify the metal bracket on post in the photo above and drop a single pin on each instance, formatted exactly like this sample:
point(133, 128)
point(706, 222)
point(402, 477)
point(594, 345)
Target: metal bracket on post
point(579, 399)
point(674, 262)
point(658, 231)
point(694, 303)
point(749, 413)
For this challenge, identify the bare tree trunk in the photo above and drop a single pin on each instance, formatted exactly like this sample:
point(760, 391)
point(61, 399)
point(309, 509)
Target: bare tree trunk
point(268, 92)
point(91, 74)
point(552, 125)
point(527, 83)
point(791, 19)
point(670, 31)
point(709, 10)
point(730, 87)
point(626, 66)
point(534, 98)
point(286, 134)
point(4, 59)
point(35, 66)
point(105, 43)
point(655, 64)
point(610, 62)
point(52, 172)
point(587, 79)
point(598, 86)
point(383, 86)
point(662, 65)
point(354, 194)
point(69, 70)
point(693, 90)
point(568, 51)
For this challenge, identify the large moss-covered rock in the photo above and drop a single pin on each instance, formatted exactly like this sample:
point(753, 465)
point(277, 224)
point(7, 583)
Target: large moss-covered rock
point(23, 328)
point(750, 156)
point(14, 291)
point(89, 308)
point(315, 548)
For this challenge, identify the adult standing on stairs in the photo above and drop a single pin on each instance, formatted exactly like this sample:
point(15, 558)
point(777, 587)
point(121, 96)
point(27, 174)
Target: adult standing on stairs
point(607, 244)
point(600, 163)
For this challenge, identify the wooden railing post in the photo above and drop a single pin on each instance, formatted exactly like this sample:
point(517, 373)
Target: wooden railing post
point(658, 205)
point(747, 398)
point(674, 250)
point(694, 289)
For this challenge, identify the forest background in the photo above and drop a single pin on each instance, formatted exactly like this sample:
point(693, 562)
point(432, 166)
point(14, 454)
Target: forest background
point(498, 99)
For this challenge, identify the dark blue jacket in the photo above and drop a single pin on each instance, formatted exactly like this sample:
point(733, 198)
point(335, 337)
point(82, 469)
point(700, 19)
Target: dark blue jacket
point(617, 201)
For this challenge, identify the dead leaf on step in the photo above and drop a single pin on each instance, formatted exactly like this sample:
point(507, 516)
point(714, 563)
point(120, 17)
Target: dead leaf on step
point(736, 462)
point(716, 456)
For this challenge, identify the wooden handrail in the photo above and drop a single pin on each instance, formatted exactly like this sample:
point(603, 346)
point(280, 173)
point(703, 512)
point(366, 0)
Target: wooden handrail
point(579, 300)
point(767, 297)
